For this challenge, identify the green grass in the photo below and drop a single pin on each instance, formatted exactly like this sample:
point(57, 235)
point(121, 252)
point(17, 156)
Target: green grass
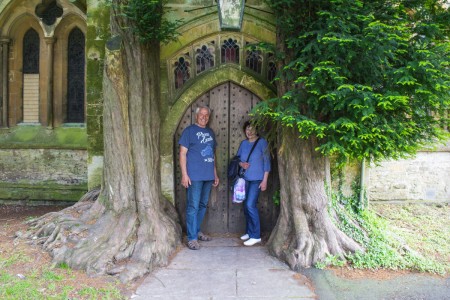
point(425, 229)
point(49, 284)
point(16, 257)
point(399, 237)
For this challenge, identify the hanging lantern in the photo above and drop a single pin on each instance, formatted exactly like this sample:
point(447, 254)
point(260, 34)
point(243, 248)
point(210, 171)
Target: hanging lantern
point(230, 14)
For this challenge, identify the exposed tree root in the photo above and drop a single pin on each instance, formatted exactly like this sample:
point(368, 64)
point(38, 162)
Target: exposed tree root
point(88, 236)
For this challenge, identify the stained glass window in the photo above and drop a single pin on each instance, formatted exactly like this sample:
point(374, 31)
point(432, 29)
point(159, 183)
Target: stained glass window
point(75, 76)
point(204, 59)
point(254, 60)
point(181, 72)
point(31, 52)
point(230, 51)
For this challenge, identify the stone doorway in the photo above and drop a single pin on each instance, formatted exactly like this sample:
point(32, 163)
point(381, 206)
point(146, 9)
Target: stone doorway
point(230, 105)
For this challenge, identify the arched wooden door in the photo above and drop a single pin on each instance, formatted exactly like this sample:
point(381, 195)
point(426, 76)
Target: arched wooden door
point(230, 105)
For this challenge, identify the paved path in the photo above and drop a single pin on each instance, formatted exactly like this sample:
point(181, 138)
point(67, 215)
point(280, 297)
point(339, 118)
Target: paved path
point(224, 269)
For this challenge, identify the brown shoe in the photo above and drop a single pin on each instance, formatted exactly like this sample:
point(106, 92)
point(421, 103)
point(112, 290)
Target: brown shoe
point(203, 237)
point(193, 245)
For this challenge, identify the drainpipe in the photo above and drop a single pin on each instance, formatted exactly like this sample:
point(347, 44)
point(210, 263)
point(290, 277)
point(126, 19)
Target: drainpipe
point(363, 187)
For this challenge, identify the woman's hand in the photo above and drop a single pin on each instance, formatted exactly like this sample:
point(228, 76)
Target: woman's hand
point(263, 185)
point(244, 165)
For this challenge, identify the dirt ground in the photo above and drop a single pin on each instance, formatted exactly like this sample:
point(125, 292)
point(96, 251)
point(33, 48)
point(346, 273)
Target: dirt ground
point(12, 219)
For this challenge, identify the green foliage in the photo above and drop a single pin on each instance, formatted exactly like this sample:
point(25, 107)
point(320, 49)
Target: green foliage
point(370, 79)
point(276, 197)
point(330, 260)
point(382, 249)
point(148, 20)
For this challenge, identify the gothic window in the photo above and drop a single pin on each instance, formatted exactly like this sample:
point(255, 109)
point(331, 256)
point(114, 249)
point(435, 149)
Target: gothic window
point(271, 68)
point(30, 69)
point(204, 59)
point(31, 52)
point(230, 51)
point(254, 60)
point(181, 72)
point(75, 77)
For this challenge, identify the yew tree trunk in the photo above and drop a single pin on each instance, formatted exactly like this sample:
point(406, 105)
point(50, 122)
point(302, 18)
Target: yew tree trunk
point(304, 233)
point(130, 228)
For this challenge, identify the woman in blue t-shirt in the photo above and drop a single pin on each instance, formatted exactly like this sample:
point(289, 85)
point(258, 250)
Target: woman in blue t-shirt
point(257, 170)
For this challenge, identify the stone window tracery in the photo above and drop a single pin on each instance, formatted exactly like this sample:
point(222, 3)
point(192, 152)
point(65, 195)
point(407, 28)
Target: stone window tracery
point(181, 72)
point(49, 12)
point(254, 60)
point(230, 51)
point(204, 58)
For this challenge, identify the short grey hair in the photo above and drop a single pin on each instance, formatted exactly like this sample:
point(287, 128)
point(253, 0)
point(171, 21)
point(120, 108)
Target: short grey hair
point(197, 110)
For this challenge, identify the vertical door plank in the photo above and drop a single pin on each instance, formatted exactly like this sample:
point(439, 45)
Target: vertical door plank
point(240, 106)
point(217, 213)
point(180, 191)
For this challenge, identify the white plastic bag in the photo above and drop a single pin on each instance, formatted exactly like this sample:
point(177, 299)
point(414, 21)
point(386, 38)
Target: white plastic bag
point(239, 191)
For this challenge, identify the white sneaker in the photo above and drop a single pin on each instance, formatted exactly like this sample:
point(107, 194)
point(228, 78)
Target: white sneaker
point(251, 242)
point(245, 237)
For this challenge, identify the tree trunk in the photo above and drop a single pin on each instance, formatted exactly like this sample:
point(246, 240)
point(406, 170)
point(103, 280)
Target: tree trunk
point(131, 228)
point(304, 233)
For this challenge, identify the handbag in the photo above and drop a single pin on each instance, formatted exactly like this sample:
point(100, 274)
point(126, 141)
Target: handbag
point(239, 191)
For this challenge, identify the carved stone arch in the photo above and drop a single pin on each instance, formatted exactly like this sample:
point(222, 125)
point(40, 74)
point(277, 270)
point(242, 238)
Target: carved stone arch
point(17, 28)
point(231, 94)
point(208, 26)
point(204, 83)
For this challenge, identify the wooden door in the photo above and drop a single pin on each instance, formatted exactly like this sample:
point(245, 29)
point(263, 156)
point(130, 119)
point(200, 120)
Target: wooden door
point(230, 105)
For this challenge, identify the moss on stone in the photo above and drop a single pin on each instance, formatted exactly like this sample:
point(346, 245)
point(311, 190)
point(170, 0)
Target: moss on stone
point(30, 137)
point(97, 34)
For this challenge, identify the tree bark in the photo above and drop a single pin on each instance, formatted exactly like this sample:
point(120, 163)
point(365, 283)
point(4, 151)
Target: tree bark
point(130, 228)
point(304, 233)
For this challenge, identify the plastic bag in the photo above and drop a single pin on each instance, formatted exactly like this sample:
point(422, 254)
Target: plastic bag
point(239, 191)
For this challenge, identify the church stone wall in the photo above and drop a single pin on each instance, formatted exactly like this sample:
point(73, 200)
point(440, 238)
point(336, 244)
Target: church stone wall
point(424, 178)
point(40, 175)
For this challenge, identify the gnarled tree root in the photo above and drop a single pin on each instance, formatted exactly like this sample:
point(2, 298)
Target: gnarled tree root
point(90, 237)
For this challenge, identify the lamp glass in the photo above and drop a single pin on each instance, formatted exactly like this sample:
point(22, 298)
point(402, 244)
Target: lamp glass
point(230, 14)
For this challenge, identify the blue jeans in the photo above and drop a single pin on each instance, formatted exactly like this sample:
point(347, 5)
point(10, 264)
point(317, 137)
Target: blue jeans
point(197, 200)
point(251, 210)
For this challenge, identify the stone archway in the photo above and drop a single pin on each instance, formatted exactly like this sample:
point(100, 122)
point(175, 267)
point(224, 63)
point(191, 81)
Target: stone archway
point(230, 104)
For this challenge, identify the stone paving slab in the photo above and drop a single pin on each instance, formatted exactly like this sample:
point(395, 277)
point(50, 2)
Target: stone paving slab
point(224, 269)
point(274, 283)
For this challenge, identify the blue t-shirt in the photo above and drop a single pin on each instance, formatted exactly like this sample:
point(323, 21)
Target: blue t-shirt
point(201, 143)
point(259, 160)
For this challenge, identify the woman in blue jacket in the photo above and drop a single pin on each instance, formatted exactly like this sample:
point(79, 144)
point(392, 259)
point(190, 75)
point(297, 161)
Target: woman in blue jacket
point(257, 170)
